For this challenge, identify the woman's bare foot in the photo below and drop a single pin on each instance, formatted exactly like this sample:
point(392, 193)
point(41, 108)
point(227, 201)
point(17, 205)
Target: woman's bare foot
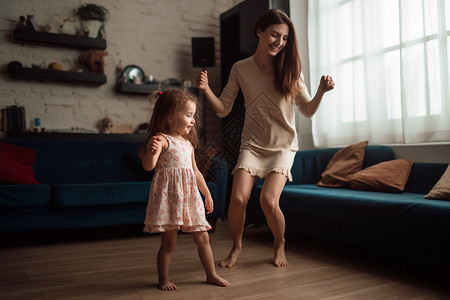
point(217, 280)
point(230, 261)
point(167, 285)
point(279, 259)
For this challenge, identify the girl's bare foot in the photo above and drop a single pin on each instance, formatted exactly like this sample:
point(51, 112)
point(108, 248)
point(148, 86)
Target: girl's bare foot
point(279, 259)
point(167, 285)
point(217, 280)
point(230, 261)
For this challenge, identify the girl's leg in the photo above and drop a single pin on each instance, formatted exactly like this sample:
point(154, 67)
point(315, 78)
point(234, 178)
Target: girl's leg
point(270, 204)
point(242, 187)
point(168, 243)
point(201, 239)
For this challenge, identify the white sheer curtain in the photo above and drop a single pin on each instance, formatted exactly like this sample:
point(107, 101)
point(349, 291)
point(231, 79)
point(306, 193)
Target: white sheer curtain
point(390, 62)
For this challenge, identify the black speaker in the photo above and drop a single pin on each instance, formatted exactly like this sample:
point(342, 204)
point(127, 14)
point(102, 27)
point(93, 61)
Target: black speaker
point(203, 52)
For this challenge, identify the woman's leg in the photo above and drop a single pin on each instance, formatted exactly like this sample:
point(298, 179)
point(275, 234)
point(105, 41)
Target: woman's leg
point(201, 239)
point(168, 243)
point(242, 187)
point(270, 204)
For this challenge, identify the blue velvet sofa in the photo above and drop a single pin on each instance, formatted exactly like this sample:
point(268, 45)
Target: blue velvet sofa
point(88, 183)
point(396, 224)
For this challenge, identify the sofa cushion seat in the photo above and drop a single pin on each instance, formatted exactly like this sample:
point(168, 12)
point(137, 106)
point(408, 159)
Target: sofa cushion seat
point(26, 195)
point(107, 194)
point(100, 194)
point(403, 212)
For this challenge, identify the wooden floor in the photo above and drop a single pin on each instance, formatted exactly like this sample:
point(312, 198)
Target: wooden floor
point(122, 266)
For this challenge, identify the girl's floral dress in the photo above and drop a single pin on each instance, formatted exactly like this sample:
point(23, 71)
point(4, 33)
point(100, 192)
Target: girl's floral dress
point(174, 201)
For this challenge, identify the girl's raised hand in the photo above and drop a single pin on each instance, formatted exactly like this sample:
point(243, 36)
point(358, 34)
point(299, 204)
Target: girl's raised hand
point(202, 80)
point(154, 144)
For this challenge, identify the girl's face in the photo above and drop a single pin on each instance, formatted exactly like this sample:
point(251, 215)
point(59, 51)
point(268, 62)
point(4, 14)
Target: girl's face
point(274, 38)
point(184, 119)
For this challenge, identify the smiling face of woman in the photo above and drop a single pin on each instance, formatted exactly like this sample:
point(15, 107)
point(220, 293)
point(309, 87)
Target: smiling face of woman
point(274, 38)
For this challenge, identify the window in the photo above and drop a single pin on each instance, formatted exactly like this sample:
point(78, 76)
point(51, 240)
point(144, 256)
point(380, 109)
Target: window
point(390, 62)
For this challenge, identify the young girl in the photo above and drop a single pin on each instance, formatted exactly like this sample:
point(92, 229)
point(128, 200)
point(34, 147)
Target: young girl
point(271, 82)
point(174, 201)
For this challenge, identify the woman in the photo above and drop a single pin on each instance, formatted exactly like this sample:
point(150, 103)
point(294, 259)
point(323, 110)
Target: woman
point(271, 82)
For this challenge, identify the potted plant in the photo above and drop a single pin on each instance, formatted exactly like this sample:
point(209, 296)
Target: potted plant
point(93, 18)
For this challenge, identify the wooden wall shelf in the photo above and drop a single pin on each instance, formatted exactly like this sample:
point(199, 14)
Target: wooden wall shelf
point(127, 87)
point(56, 76)
point(145, 88)
point(24, 35)
point(74, 136)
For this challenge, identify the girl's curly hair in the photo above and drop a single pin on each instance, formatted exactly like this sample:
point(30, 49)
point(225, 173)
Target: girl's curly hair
point(167, 105)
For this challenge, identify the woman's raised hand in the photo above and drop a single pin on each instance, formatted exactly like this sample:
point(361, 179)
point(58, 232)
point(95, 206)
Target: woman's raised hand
point(326, 83)
point(202, 80)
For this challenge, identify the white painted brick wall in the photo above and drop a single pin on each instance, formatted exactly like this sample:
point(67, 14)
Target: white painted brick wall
point(153, 34)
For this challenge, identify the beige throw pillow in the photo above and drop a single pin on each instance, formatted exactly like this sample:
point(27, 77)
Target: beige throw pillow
point(441, 190)
point(344, 163)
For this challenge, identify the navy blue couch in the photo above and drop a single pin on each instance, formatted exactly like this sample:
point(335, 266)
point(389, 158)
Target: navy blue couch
point(398, 224)
point(88, 183)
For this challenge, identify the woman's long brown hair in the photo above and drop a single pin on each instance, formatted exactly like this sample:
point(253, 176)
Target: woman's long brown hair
point(288, 66)
point(167, 105)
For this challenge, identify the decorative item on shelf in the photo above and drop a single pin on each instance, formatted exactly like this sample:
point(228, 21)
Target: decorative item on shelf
point(21, 23)
point(170, 82)
point(13, 118)
point(14, 64)
point(55, 66)
point(108, 126)
point(69, 26)
point(119, 72)
point(133, 73)
point(31, 23)
point(151, 81)
point(93, 18)
point(37, 125)
point(93, 61)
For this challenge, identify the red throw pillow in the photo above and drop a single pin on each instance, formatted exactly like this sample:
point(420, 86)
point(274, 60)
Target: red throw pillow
point(17, 164)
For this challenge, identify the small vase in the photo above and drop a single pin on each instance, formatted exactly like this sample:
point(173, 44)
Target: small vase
point(91, 26)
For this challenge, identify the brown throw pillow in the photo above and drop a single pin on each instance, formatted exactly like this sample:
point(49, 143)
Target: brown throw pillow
point(387, 176)
point(344, 163)
point(441, 190)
